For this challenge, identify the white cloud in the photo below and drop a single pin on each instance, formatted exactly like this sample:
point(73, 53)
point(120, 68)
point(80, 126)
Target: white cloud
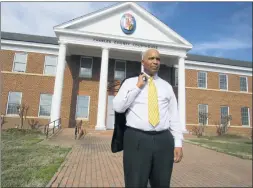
point(235, 36)
point(223, 44)
point(40, 17)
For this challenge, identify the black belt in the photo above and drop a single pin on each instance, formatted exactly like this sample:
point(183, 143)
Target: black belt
point(148, 132)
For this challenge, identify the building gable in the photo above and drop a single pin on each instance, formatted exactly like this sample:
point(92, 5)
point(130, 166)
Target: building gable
point(108, 22)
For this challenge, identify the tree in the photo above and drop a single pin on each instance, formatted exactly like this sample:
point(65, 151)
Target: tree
point(33, 123)
point(22, 112)
point(222, 127)
point(2, 120)
point(200, 129)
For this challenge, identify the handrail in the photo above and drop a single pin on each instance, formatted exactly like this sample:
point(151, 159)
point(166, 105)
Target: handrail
point(56, 124)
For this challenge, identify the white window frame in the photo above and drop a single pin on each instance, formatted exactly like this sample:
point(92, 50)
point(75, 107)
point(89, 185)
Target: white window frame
point(247, 89)
point(221, 74)
point(206, 112)
point(40, 102)
point(88, 116)
point(119, 61)
point(45, 64)
point(248, 116)
point(14, 60)
point(176, 77)
point(198, 79)
point(6, 110)
point(87, 57)
point(228, 112)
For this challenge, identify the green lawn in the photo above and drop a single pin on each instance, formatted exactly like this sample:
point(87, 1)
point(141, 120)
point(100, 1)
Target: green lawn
point(25, 163)
point(229, 144)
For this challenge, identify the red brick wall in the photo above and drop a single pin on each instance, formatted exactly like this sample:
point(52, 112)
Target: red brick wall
point(31, 85)
point(215, 98)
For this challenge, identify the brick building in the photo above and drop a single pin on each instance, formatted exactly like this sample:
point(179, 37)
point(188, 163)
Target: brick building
point(75, 75)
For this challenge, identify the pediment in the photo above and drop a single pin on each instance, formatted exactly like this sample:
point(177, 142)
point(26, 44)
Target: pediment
point(119, 20)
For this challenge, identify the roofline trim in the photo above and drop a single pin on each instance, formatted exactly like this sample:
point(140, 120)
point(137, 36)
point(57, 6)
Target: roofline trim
point(54, 49)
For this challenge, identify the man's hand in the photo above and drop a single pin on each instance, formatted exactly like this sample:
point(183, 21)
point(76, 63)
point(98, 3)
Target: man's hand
point(141, 81)
point(178, 154)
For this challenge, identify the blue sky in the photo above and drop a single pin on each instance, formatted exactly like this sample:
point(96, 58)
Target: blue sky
point(214, 28)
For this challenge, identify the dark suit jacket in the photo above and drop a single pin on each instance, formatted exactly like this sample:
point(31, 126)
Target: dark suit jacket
point(119, 129)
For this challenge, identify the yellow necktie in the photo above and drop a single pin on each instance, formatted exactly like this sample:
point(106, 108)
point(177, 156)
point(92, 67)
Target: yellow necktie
point(153, 109)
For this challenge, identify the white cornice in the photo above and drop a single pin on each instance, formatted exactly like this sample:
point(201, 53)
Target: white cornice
point(54, 49)
point(29, 47)
point(76, 33)
point(199, 63)
point(214, 67)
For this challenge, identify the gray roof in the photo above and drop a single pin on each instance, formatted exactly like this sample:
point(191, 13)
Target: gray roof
point(54, 41)
point(218, 60)
point(29, 38)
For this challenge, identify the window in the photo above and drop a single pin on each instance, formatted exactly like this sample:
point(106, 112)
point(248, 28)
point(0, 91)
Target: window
point(203, 114)
point(45, 104)
point(120, 70)
point(19, 64)
point(176, 77)
point(14, 100)
point(243, 84)
point(202, 82)
point(223, 82)
point(86, 67)
point(245, 116)
point(224, 114)
point(82, 108)
point(50, 65)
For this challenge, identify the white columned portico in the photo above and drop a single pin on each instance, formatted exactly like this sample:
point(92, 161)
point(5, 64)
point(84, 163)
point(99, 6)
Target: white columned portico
point(102, 90)
point(181, 92)
point(58, 84)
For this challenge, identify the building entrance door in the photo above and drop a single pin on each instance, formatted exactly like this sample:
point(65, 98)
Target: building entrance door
point(110, 113)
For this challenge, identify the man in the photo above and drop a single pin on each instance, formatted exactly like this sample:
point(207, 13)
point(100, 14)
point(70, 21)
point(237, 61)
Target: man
point(153, 137)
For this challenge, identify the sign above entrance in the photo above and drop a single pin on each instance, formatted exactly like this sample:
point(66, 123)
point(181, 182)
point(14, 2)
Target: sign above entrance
point(128, 23)
point(125, 43)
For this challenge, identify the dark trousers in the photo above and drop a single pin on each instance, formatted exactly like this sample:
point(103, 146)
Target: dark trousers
point(148, 156)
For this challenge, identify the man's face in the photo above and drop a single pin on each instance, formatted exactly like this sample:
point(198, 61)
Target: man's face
point(151, 62)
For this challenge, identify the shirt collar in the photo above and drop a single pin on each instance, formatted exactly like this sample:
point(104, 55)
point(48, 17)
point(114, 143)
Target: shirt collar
point(154, 77)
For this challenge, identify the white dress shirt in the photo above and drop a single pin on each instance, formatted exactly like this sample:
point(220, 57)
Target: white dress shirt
point(135, 101)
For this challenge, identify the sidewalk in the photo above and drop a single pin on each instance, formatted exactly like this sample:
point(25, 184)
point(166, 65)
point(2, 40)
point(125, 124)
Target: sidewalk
point(92, 164)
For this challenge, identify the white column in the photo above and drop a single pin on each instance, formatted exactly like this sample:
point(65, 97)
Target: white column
point(181, 92)
point(58, 84)
point(102, 90)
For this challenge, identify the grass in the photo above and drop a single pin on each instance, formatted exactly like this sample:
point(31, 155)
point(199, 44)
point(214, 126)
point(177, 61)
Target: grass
point(230, 144)
point(25, 163)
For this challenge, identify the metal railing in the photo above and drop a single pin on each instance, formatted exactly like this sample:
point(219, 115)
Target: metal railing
point(56, 126)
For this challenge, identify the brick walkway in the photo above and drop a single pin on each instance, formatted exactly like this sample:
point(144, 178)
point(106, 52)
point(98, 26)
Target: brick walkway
point(91, 164)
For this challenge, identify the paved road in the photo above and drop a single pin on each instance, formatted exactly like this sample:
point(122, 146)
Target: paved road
point(91, 163)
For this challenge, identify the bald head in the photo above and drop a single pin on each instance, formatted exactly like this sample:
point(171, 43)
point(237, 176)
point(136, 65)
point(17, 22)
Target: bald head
point(151, 61)
point(147, 53)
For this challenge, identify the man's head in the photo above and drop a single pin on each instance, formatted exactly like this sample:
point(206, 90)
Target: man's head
point(151, 61)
